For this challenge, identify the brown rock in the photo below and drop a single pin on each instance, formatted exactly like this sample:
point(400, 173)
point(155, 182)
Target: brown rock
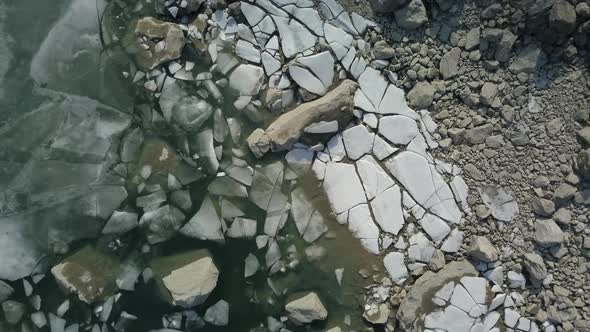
point(336, 105)
point(154, 42)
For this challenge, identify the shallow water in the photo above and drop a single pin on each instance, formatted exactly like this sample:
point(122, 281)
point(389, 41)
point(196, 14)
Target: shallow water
point(57, 54)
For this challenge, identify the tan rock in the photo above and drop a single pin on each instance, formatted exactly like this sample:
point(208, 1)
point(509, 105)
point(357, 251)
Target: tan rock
point(175, 285)
point(154, 42)
point(88, 273)
point(336, 105)
point(306, 309)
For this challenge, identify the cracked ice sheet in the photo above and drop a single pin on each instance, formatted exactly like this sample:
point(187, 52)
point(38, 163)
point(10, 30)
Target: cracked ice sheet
point(343, 187)
point(295, 38)
point(426, 186)
point(377, 96)
point(362, 226)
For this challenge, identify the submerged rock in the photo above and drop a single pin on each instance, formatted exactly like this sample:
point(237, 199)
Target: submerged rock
point(306, 309)
point(289, 127)
point(218, 314)
point(89, 273)
point(154, 42)
point(175, 284)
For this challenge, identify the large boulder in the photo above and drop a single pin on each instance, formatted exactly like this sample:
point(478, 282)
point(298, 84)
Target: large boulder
point(154, 42)
point(412, 16)
point(548, 233)
point(175, 285)
point(306, 309)
point(412, 306)
point(562, 17)
point(482, 249)
point(286, 130)
point(89, 273)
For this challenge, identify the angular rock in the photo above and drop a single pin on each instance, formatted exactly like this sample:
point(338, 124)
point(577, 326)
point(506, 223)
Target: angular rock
point(179, 290)
point(422, 95)
point(562, 17)
point(411, 16)
point(542, 207)
point(528, 60)
point(163, 42)
point(5, 291)
point(548, 233)
point(306, 309)
point(205, 224)
point(535, 266)
point(478, 135)
point(286, 130)
point(482, 249)
point(449, 64)
point(218, 314)
point(247, 79)
point(502, 204)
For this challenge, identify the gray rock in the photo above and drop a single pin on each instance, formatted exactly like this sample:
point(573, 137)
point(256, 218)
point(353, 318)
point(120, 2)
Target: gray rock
point(258, 143)
point(13, 311)
point(306, 309)
point(501, 203)
point(386, 6)
point(516, 280)
point(584, 135)
point(478, 135)
point(489, 91)
point(377, 314)
point(176, 288)
point(247, 79)
point(562, 17)
point(412, 306)
point(449, 64)
point(382, 50)
point(563, 193)
point(289, 127)
point(482, 250)
point(411, 16)
point(528, 60)
point(472, 39)
point(548, 233)
point(504, 47)
point(535, 266)
point(422, 95)
point(542, 207)
point(218, 314)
